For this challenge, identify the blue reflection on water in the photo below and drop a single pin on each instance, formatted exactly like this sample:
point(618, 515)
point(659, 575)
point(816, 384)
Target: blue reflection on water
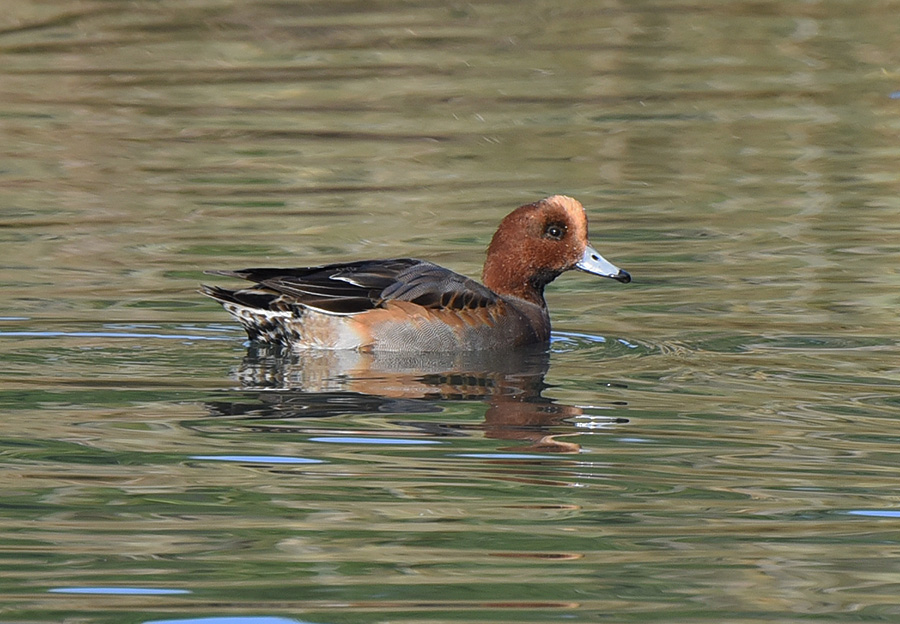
point(501, 456)
point(240, 619)
point(259, 459)
point(878, 513)
point(350, 440)
point(76, 334)
point(131, 591)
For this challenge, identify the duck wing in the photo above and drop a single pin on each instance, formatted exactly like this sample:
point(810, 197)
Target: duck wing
point(352, 287)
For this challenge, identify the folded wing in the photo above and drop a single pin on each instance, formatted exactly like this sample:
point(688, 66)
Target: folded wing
point(353, 287)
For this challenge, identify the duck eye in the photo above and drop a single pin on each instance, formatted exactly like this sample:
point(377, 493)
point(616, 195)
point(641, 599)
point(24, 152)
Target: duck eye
point(555, 231)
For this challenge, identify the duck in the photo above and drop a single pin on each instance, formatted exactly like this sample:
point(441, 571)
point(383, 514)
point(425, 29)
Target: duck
point(412, 305)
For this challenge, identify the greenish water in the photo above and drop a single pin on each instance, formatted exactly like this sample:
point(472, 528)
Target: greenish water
point(715, 442)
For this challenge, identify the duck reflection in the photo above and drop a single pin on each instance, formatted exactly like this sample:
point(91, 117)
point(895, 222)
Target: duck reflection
point(318, 384)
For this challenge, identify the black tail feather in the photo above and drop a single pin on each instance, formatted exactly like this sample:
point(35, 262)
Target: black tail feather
point(249, 298)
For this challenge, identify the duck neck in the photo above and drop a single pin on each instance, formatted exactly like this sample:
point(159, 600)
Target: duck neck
point(511, 279)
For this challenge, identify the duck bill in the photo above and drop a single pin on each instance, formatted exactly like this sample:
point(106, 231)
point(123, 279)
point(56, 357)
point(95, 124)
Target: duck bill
point(593, 262)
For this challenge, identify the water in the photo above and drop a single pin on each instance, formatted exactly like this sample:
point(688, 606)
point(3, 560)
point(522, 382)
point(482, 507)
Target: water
point(715, 442)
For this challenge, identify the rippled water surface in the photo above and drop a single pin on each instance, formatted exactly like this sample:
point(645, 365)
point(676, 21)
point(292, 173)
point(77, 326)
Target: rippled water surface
point(715, 442)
